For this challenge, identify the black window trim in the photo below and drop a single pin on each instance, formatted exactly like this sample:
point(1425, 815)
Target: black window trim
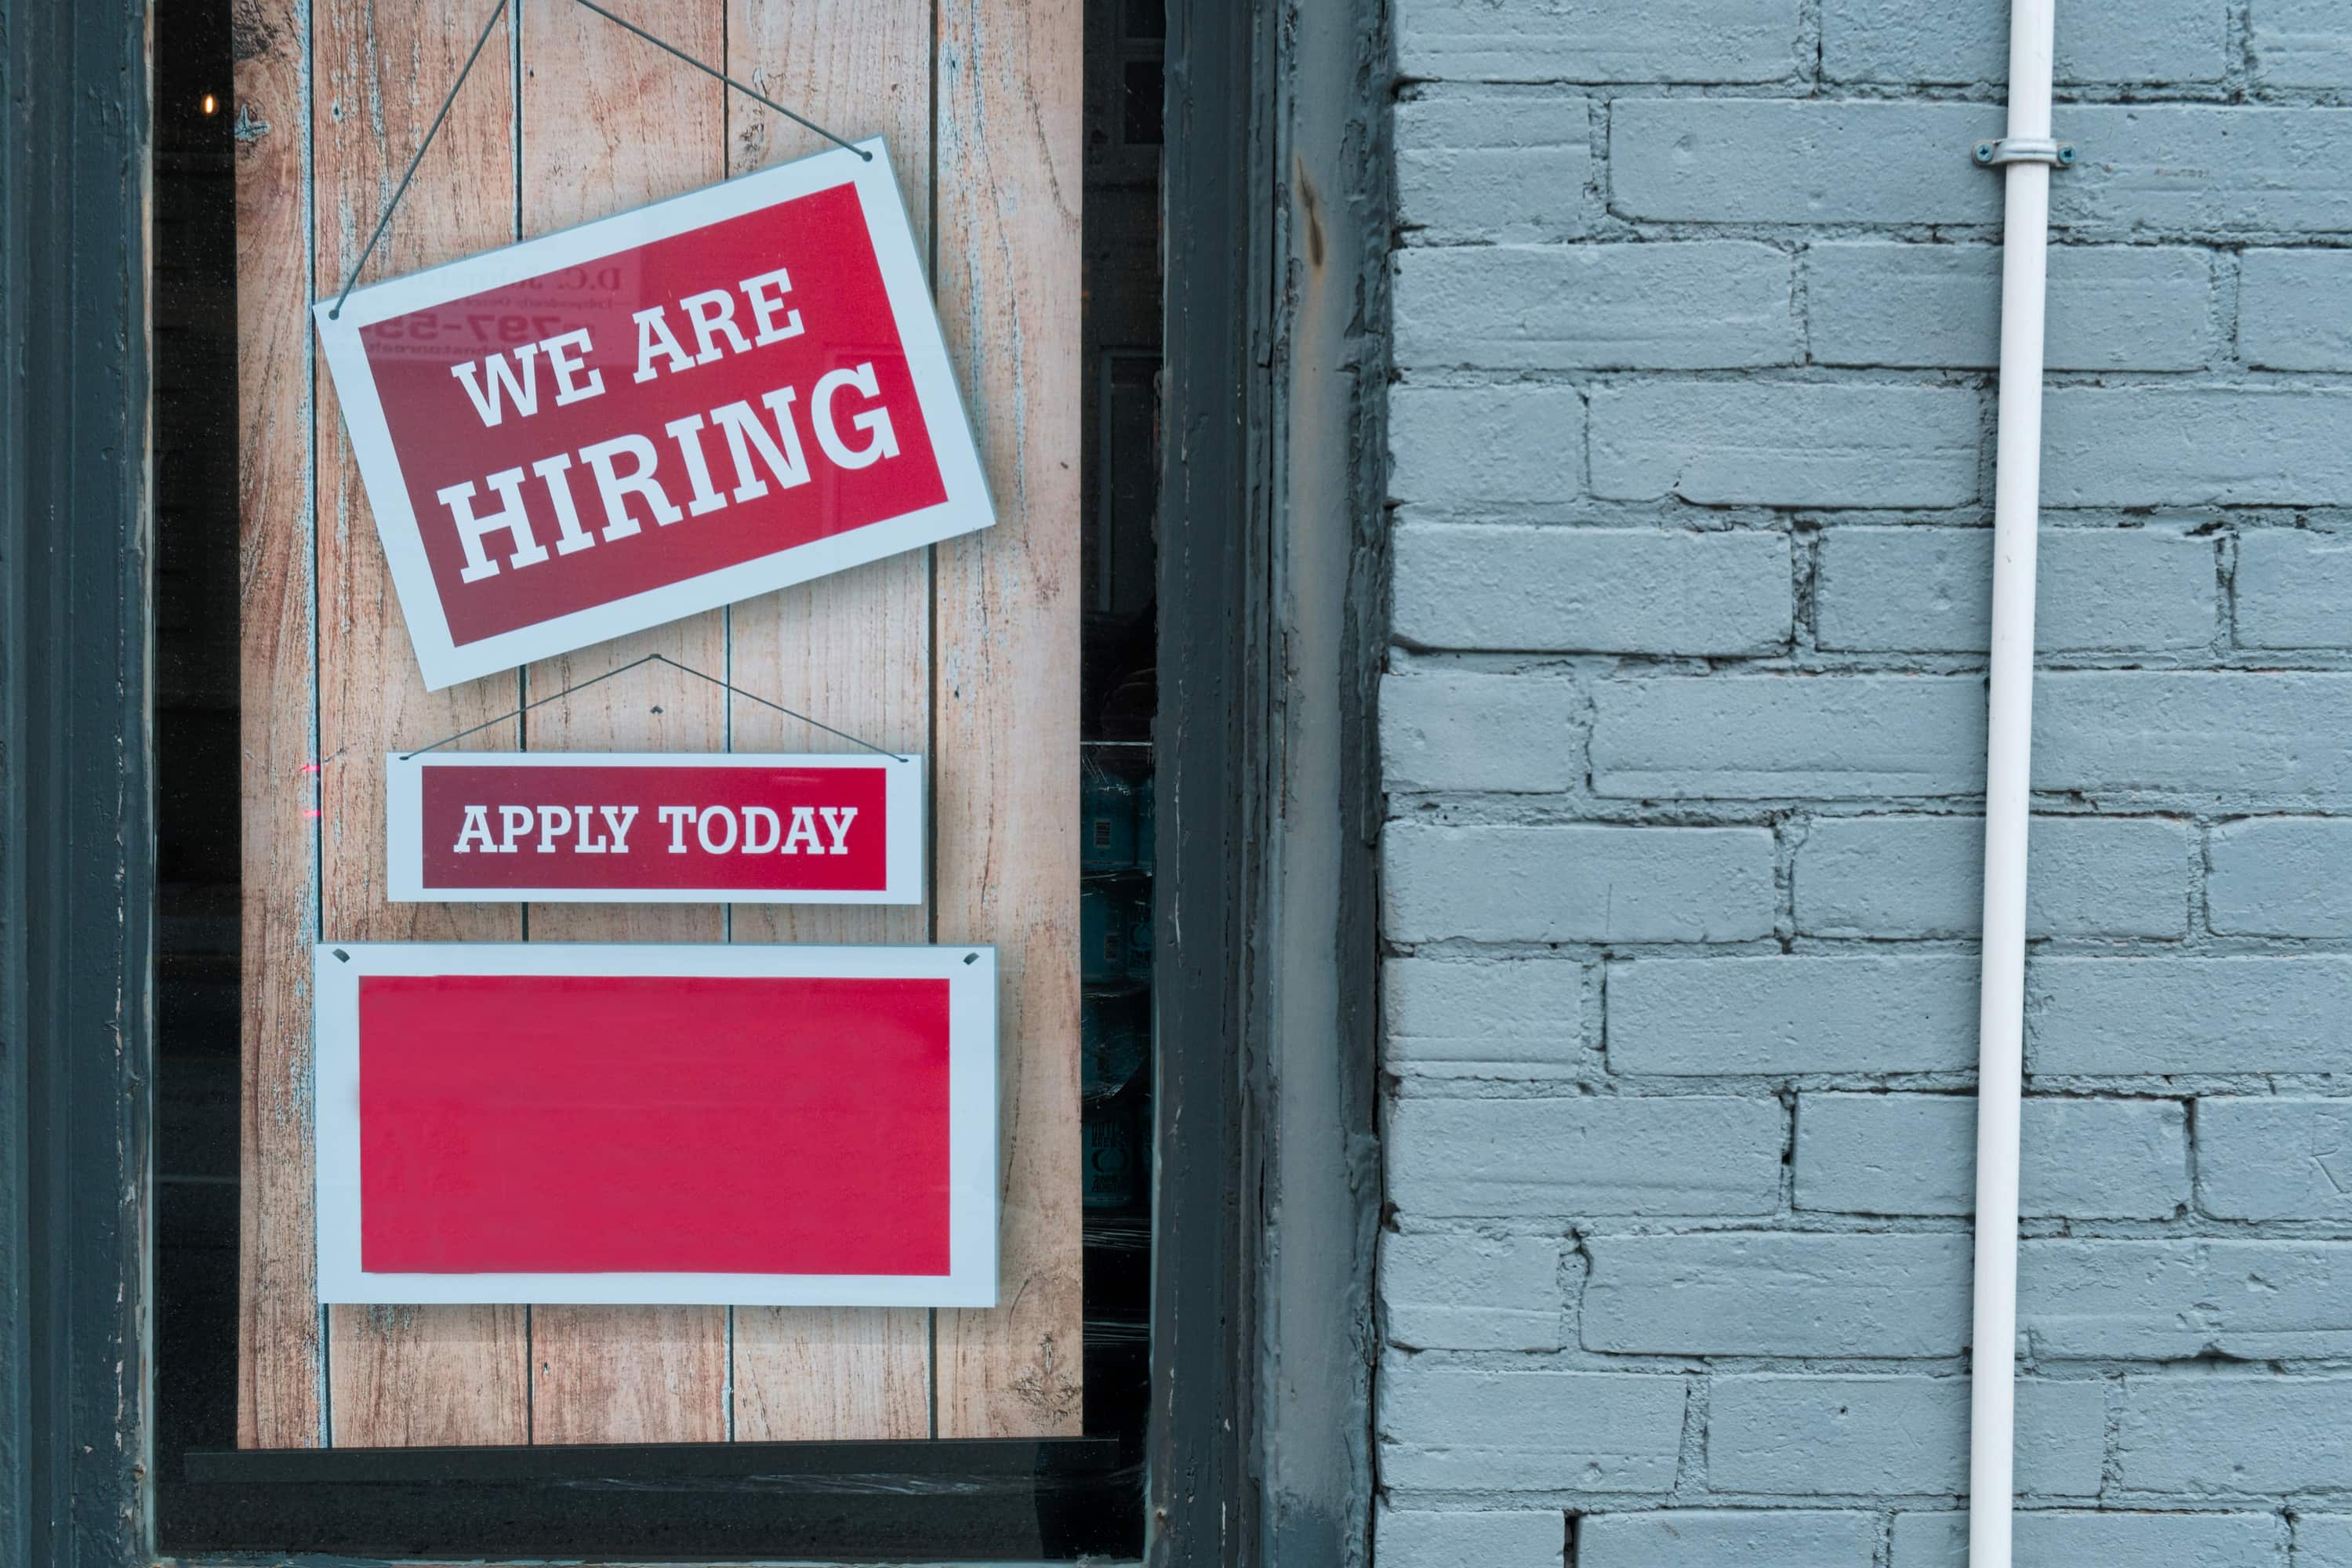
point(75, 862)
point(1278, 224)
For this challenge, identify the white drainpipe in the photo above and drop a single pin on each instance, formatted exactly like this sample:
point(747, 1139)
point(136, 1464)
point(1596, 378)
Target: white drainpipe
point(2027, 156)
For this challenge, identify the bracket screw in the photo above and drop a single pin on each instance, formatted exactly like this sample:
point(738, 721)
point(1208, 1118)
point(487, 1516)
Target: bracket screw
point(2026, 149)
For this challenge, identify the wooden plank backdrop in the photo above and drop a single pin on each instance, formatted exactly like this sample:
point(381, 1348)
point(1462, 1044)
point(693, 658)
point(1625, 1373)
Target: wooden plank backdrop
point(968, 652)
point(396, 1375)
point(857, 647)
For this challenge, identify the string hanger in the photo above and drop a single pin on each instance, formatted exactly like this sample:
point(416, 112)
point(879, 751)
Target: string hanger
point(682, 668)
point(497, 10)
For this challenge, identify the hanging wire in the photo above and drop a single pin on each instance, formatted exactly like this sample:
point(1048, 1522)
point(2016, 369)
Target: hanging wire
point(708, 70)
point(682, 668)
point(335, 312)
point(496, 10)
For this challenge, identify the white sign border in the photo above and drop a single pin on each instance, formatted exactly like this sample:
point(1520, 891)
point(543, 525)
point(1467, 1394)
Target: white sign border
point(403, 815)
point(970, 974)
point(967, 508)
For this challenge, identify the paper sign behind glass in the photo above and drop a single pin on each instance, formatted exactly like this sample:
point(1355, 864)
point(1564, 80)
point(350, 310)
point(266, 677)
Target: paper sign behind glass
point(741, 1124)
point(654, 828)
point(653, 414)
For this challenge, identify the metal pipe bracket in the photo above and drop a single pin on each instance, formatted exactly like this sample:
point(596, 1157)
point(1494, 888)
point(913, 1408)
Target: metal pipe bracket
point(2024, 149)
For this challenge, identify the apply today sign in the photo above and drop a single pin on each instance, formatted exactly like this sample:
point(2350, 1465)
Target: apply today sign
point(654, 414)
point(654, 828)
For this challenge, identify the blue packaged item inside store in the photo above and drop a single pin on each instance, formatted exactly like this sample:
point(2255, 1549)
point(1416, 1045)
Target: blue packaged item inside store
point(1114, 1155)
point(1102, 937)
point(1138, 937)
point(1107, 840)
point(1111, 1036)
point(1114, 1035)
point(1146, 824)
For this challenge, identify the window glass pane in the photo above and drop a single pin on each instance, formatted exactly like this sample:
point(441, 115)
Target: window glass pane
point(355, 1429)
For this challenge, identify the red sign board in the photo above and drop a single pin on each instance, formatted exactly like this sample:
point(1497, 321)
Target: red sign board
point(745, 1125)
point(654, 828)
point(653, 414)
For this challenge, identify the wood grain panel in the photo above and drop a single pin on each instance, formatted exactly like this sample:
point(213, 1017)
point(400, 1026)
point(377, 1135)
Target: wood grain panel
point(969, 652)
point(1006, 687)
point(816, 1373)
point(408, 1375)
point(610, 123)
point(854, 650)
point(278, 1339)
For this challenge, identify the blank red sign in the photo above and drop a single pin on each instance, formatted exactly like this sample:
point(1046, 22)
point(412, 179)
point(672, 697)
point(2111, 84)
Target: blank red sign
point(573, 1124)
point(738, 1123)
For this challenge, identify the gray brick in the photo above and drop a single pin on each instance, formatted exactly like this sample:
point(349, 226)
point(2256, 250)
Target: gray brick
point(1453, 729)
point(2175, 1300)
point(1577, 883)
point(1473, 1292)
point(1924, 876)
point(2254, 1015)
point(2294, 309)
point(1411, 1539)
point(1594, 40)
point(2162, 168)
point(2281, 875)
point(2086, 1540)
point(2301, 43)
point(1710, 1538)
point(1601, 590)
point(2235, 1436)
point(2323, 1541)
point(2293, 588)
point(1730, 160)
point(1799, 1436)
point(1588, 1154)
point(2099, 41)
point(2206, 169)
point(1808, 737)
point(2188, 445)
point(1694, 306)
point(1915, 1154)
point(1463, 1429)
point(1514, 1018)
point(2264, 1159)
point(1495, 166)
point(2246, 735)
point(1798, 1014)
point(2127, 307)
point(1786, 444)
point(1930, 590)
point(1485, 446)
point(1777, 1293)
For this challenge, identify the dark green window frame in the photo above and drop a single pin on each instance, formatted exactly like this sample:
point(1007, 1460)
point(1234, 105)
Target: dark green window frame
point(1261, 1448)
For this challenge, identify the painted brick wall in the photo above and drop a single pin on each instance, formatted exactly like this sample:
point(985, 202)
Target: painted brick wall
point(1694, 305)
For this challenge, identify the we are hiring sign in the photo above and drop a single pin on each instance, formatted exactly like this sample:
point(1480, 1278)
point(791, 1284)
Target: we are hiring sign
point(653, 414)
